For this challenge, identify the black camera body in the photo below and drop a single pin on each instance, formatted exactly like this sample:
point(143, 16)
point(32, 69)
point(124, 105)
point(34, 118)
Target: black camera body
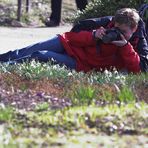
point(113, 34)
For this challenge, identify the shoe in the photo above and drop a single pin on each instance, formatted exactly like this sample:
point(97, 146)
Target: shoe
point(51, 23)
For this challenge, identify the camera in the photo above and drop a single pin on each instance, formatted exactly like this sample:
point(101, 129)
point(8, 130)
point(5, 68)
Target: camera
point(113, 34)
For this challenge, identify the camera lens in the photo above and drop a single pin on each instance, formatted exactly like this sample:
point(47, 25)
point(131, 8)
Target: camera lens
point(111, 35)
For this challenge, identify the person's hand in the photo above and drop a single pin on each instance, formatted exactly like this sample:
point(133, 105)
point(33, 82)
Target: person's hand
point(121, 42)
point(100, 33)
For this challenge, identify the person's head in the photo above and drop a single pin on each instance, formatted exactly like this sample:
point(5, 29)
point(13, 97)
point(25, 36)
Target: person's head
point(126, 19)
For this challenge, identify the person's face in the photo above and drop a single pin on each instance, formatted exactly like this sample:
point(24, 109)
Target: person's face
point(126, 30)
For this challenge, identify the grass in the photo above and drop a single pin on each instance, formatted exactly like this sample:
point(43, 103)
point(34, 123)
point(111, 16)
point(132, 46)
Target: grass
point(44, 105)
point(79, 126)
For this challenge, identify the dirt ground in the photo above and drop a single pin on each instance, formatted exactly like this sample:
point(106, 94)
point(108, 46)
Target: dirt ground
point(14, 38)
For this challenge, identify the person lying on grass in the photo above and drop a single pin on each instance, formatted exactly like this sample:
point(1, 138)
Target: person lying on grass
point(93, 49)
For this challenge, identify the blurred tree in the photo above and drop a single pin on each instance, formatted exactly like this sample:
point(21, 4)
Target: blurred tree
point(19, 9)
point(27, 5)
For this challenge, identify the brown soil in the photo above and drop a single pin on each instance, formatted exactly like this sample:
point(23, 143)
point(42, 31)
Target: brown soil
point(25, 94)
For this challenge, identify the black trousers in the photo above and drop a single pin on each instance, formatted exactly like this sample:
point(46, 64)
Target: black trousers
point(81, 4)
point(56, 6)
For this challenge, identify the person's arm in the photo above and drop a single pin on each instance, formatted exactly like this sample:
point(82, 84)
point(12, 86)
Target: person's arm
point(91, 24)
point(80, 39)
point(142, 45)
point(84, 38)
point(143, 54)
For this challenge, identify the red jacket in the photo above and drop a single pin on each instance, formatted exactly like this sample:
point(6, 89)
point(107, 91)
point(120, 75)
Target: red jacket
point(91, 56)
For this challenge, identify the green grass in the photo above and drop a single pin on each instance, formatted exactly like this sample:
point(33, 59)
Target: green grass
point(75, 125)
point(105, 106)
point(6, 114)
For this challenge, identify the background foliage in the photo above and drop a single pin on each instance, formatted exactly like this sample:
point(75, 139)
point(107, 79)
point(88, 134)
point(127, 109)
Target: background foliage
point(40, 9)
point(98, 8)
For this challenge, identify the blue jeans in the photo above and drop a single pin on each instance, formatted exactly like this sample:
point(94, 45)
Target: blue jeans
point(42, 51)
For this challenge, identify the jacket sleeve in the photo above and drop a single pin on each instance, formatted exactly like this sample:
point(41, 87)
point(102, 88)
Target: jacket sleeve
point(130, 58)
point(80, 39)
point(142, 46)
point(143, 53)
point(90, 24)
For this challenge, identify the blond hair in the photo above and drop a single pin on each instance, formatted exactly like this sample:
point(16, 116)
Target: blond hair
point(127, 16)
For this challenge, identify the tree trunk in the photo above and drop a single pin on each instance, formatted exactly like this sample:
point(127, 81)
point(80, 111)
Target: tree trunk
point(27, 5)
point(19, 10)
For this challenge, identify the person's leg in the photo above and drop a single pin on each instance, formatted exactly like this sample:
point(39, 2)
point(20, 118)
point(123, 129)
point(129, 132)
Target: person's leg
point(55, 16)
point(53, 44)
point(56, 10)
point(81, 4)
point(59, 58)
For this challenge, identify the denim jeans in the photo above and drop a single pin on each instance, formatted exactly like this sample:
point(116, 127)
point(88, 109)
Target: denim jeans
point(43, 51)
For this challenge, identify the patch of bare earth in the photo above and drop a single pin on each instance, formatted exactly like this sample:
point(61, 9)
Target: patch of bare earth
point(25, 94)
